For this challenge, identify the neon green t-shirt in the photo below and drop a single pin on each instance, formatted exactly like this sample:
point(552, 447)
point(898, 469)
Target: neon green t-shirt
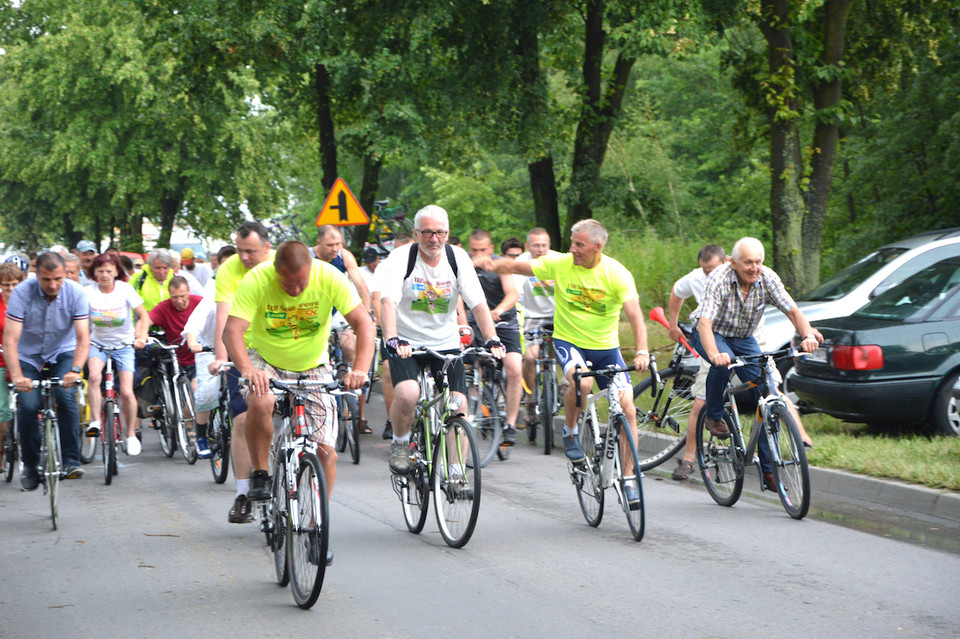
point(150, 290)
point(588, 300)
point(292, 332)
point(229, 275)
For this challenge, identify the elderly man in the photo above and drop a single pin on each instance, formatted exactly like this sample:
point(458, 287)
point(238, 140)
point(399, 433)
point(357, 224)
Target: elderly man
point(47, 334)
point(86, 250)
point(154, 278)
point(733, 301)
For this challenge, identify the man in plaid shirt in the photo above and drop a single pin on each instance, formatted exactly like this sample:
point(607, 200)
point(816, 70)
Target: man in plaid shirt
point(733, 302)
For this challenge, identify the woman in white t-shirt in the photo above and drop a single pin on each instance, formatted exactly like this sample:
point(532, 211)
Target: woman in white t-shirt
point(113, 303)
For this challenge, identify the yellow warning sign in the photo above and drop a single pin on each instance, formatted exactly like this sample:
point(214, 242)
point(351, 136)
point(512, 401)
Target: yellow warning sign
point(341, 208)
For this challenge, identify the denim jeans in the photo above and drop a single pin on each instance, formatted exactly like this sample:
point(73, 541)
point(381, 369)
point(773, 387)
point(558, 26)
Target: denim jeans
point(68, 415)
point(719, 377)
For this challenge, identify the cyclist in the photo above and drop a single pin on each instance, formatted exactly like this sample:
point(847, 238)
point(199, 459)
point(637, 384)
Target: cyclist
point(501, 295)
point(11, 274)
point(278, 327)
point(172, 314)
point(590, 289)
point(419, 291)
point(154, 278)
point(47, 324)
point(198, 334)
point(252, 248)
point(112, 300)
point(733, 301)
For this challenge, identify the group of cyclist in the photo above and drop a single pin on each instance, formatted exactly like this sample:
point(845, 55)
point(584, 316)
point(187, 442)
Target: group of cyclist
point(267, 314)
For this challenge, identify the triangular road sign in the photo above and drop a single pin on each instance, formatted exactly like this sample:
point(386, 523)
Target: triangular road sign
point(341, 208)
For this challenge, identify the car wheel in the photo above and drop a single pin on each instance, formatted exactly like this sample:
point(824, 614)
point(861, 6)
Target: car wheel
point(946, 409)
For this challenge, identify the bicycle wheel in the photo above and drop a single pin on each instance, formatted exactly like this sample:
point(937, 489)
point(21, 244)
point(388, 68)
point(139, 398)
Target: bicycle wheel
point(186, 420)
point(341, 430)
point(548, 397)
point(109, 442)
point(53, 466)
point(308, 533)
point(634, 481)
point(414, 487)
point(88, 445)
point(790, 473)
point(456, 482)
point(719, 460)
point(488, 420)
point(219, 436)
point(662, 420)
point(586, 476)
point(276, 524)
point(11, 449)
point(351, 424)
point(165, 420)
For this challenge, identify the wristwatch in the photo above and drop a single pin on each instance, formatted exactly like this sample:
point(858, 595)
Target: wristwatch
point(76, 369)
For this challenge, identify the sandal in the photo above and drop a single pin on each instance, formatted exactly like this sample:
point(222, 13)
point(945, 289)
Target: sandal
point(364, 428)
point(683, 470)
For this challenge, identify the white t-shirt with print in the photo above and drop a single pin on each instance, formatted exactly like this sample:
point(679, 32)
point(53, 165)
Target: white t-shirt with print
point(111, 319)
point(536, 297)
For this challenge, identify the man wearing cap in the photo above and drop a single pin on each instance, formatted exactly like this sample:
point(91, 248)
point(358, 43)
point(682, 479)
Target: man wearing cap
point(371, 259)
point(88, 251)
point(190, 264)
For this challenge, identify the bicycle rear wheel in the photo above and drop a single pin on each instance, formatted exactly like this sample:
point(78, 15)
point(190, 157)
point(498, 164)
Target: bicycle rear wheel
point(414, 488)
point(277, 524)
point(487, 421)
point(341, 431)
point(309, 532)
point(456, 482)
point(635, 511)
point(109, 442)
point(662, 419)
point(11, 449)
point(548, 398)
point(165, 418)
point(586, 476)
point(186, 420)
point(790, 473)
point(219, 436)
point(720, 461)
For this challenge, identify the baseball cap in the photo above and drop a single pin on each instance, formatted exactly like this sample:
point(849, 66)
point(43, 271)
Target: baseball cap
point(86, 245)
point(186, 255)
point(370, 255)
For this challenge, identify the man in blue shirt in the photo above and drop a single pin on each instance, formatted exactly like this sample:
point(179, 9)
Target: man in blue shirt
point(47, 325)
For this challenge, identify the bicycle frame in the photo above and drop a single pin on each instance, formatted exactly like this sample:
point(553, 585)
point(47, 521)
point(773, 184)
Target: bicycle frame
point(611, 466)
point(546, 359)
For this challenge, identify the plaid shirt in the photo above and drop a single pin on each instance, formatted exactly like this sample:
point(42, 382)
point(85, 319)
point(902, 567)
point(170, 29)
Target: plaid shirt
point(733, 316)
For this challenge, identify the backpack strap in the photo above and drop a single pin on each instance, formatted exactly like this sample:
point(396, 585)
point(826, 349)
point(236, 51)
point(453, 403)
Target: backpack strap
point(139, 280)
point(412, 260)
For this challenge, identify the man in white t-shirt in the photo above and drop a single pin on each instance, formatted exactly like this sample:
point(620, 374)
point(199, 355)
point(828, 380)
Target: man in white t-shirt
point(420, 310)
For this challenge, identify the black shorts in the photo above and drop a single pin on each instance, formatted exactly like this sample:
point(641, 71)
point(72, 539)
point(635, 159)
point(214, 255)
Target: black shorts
point(409, 368)
point(509, 337)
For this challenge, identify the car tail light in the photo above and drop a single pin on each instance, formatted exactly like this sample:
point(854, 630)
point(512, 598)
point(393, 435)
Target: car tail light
point(858, 358)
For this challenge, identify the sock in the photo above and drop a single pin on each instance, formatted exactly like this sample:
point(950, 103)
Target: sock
point(243, 486)
point(567, 433)
point(201, 430)
point(404, 440)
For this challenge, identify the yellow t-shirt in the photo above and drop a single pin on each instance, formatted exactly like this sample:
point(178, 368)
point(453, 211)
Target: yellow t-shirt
point(291, 332)
point(229, 275)
point(150, 290)
point(588, 300)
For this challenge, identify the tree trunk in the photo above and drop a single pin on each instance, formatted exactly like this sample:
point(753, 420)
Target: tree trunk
point(169, 208)
point(368, 193)
point(131, 230)
point(546, 207)
point(325, 131)
point(71, 234)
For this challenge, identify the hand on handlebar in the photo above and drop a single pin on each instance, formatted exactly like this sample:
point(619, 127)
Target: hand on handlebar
point(641, 361)
point(720, 359)
point(399, 347)
point(22, 384)
point(495, 346)
point(258, 382)
point(354, 380)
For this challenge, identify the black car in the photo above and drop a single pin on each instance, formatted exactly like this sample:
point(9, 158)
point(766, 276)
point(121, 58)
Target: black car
point(896, 359)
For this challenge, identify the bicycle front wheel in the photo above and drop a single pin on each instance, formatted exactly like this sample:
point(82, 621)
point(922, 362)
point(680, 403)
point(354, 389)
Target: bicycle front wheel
point(219, 436)
point(720, 461)
point(186, 420)
point(351, 423)
point(414, 487)
point(52, 467)
point(456, 482)
point(548, 398)
point(488, 421)
point(165, 420)
point(586, 476)
point(308, 533)
point(276, 524)
point(662, 419)
point(88, 445)
point(109, 442)
point(790, 471)
point(631, 485)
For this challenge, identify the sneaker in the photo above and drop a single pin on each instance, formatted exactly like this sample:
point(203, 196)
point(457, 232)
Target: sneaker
point(133, 446)
point(240, 511)
point(259, 486)
point(400, 458)
point(29, 480)
point(632, 495)
point(571, 446)
point(509, 435)
point(388, 430)
point(203, 448)
point(313, 553)
point(93, 429)
point(717, 428)
point(72, 472)
point(683, 470)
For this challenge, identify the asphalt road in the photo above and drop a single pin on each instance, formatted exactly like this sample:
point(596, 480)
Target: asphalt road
point(153, 555)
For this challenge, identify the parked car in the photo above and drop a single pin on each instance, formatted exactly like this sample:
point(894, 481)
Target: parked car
point(863, 280)
point(897, 359)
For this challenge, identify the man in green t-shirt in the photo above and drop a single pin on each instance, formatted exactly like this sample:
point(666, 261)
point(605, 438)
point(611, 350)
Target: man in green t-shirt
point(590, 290)
point(278, 327)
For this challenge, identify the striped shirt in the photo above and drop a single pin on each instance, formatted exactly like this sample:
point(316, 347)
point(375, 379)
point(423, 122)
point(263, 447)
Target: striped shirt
point(48, 329)
point(731, 314)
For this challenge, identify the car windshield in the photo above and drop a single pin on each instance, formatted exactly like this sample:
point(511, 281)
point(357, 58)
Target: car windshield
point(917, 295)
point(850, 277)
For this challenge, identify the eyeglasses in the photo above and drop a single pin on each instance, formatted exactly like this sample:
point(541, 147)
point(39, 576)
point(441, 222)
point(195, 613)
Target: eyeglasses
point(428, 234)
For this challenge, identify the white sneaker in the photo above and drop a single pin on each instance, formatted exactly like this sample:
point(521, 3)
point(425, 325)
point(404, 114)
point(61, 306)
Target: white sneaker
point(93, 429)
point(133, 446)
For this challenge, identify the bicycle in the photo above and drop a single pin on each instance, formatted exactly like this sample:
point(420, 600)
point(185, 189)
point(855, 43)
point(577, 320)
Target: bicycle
point(662, 415)
point(546, 391)
point(296, 519)
point(443, 451)
point(50, 464)
point(11, 441)
point(348, 418)
point(602, 466)
point(111, 432)
point(386, 223)
point(486, 407)
point(219, 430)
point(174, 416)
point(723, 460)
point(88, 444)
point(372, 375)
point(284, 227)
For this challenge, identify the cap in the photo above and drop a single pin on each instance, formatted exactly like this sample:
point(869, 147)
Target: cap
point(85, 246)
point(370, 255)
point(60, 250)
point(186, 254)
point(200, 256)
point(21, 262)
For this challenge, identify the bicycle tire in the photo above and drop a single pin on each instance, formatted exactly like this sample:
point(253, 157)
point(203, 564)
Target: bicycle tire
point(548, 398)
point(186, 420)
point(11, 449)
point(88, 445)
point(219, 437)
point(414, 488)
point(488, 421)
point(277, 524)
point(108, 443)
point(341, 444)
point(636, 517)
point(721, 466)
point(353, 428)
point(662, 421)
point(456, 484)
point(791, 473)
point(53, 467)
point(164, 419)
point(586, 476)
point(308, 532)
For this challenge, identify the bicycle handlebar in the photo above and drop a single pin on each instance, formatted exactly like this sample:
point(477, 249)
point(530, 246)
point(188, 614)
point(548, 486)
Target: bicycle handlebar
point(608, 371)
point(783, 353)
point(109, 349)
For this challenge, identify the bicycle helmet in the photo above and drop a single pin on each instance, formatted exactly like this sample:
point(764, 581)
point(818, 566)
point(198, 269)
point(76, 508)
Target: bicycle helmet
point(21, 262)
